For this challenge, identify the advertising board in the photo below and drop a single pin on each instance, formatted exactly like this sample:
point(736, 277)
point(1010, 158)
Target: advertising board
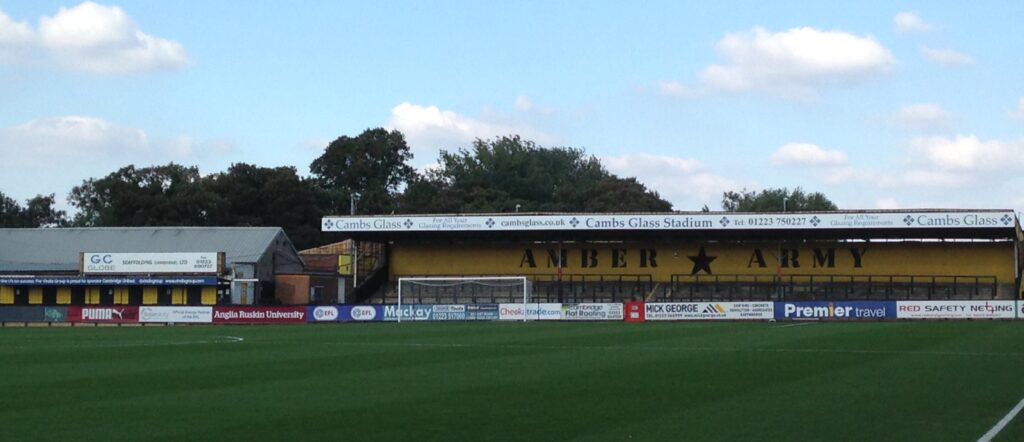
point(113, 314)
point(362, 313)
point(690, 311)
point(108, 280)
point(323, 313)
point(956, 309)
point(448, 312)
point(258, 315)
point(98, 263)
point(533, 311)
point(593, 312)
point(408, 312)
point(835, 310)
point(482, 312)
point(33, 314)
point(197, 315)
point(988, 219)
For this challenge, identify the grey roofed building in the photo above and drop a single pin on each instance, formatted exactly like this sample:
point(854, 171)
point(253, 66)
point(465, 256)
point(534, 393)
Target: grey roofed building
point(264, 250)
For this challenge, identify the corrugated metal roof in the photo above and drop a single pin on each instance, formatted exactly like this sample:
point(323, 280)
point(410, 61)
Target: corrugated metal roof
point(57, 249)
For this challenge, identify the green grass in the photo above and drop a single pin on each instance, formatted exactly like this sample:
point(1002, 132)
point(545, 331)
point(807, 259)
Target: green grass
point(512, 381)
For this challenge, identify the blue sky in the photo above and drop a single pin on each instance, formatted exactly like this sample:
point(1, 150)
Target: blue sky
point(876, 104)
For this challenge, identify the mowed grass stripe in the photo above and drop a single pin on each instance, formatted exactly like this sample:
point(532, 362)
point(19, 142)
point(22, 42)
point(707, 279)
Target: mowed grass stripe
point(502, 381)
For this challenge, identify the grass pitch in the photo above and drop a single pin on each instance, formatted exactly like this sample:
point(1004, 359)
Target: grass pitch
point(513, 381)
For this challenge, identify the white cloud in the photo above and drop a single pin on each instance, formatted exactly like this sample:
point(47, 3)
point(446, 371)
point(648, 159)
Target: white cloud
point(970, 154)
point(526, 105)
point(67, 139)
point(15, 39)
point(922, 116)
point(686, 183)
point(676, 89)
point(947, 57)
point(809, 155)
point(429, 127)
point(911, 22)
point(931, 178)
point(887, 204)
point(795, 62)
point(91, 38)
point(861, 176)
point(75, 140)
point(1019, 112)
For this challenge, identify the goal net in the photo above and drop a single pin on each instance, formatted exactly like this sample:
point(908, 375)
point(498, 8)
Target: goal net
point(464, 290)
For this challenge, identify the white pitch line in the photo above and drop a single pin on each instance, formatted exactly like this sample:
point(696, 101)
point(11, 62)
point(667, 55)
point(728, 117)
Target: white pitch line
point(794, 324)
point(987, 437)
point(672, 348)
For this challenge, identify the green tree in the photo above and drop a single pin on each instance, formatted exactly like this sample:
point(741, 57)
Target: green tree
point(39, 211)
point(248, 195)
point(171, 195)
point(775, 200)
point(372, 166)
point(507, 173)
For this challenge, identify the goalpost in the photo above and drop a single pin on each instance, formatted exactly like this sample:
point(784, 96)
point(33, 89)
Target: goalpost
point(519, 283)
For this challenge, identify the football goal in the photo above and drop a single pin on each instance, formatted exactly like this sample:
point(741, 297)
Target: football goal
point(458, 289)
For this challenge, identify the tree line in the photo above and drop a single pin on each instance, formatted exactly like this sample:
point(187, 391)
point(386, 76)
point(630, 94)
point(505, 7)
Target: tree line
point(366, 174)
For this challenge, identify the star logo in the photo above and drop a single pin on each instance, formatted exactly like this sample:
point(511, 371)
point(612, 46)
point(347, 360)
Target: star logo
point(1006, 219)
point(408, 223)
point(909, 220)
point(574, 222)
point(329, 224)
point(490, 222)
point(815, 221)
point(701, 262)
point(724, 221)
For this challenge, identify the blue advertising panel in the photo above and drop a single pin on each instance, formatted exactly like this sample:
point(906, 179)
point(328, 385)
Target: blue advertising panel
point(360, 313)
point(323, 313)
point(408, 312)
point(835, 310)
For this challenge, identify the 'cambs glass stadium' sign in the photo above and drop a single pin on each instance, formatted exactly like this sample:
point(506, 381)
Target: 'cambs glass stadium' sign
point(100, 263)
point(995, 219)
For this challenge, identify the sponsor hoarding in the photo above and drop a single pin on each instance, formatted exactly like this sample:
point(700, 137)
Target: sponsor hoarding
point(448, 312)
point(33, 314)
point(683, 311)
point(116, 314)
point(258, 315)
point(197, 315)
point(956, 309)
point(996, 219)
point(408, 312)
point(106, 280)
point(533, 311)
point(835, 310)
point(362, 313)
point(482, 312)
point(593, 312)
point(100, 263)
point(323, 313)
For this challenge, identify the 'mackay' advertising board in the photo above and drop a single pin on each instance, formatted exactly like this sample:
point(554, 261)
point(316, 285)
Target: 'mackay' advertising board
point(258, 315)
point(690, 311)
point(842, 310)
point(425, 312)
point(956, 309)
